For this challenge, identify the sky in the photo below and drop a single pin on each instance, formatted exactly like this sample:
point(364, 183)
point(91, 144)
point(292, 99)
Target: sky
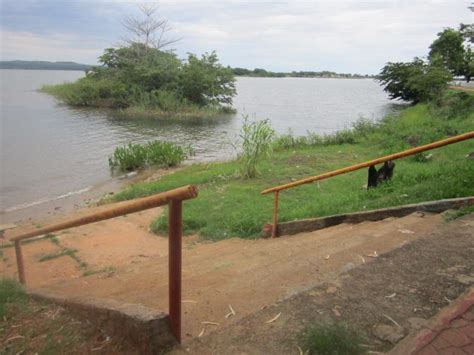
point(340, 35)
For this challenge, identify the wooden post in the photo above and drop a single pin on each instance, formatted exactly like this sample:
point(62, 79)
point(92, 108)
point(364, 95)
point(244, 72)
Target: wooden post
point(19, 262)
point(275, 216)
point(175, 227)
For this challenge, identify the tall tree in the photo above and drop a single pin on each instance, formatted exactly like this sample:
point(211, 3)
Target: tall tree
point(448, 49)
point(149, 29)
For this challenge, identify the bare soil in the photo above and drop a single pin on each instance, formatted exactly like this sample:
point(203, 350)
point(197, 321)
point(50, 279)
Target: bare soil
point(34, 327)
point(120, 259)
point(406, 286)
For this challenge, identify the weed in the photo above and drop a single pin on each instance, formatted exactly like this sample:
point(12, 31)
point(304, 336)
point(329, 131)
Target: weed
point(455, 214)
point(10, 291)
point(335, 339)
point(108, 269)
point(256, 145)
point(68, 252)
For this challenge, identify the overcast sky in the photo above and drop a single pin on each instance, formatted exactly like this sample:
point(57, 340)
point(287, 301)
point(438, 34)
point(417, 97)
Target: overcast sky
point(339, 35)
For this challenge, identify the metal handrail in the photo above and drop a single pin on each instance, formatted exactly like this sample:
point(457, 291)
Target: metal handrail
point(174, 199)
point(403, 154)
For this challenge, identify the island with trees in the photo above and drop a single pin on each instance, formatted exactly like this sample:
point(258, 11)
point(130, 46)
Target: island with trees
point(143, 76)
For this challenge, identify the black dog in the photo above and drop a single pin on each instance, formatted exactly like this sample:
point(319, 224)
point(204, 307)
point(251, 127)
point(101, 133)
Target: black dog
point(383, 174)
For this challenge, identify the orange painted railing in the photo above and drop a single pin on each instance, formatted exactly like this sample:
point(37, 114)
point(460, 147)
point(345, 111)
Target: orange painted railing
point(173, 199)
point(276, 190)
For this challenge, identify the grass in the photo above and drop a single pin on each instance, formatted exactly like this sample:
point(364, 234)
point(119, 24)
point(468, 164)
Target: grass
point(109, 269)
point(29, 326)
point(463, 211)
point(162, 104)
point(10, 292)
point(65, 252)
point(234, 207)
point(334, 339)
point(156, 153)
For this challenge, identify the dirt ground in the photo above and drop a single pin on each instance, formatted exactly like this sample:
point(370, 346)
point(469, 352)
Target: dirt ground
point(120, 259)
point(34, 327)
point(406, 286)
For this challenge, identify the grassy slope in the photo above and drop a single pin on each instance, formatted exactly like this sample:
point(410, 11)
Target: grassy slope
point(229, 206)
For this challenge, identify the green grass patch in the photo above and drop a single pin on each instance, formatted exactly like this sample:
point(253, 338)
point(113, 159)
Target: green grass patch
point(65, 252)
point(106, 270)
point(335, 339)
point(463, 211)
point(10, 292)
point(229, 206)
point(156, 153)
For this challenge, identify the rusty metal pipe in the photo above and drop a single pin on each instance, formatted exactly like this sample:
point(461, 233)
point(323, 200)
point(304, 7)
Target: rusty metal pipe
point(403, 154)
point(275, 215)
point(116, 210)
point(19, 262)
point(175, 230)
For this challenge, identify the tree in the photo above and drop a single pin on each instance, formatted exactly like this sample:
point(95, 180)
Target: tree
point(416, 81)
point(452, 50)
point(149, 30)
point(467, 31)
point(204, 81)
point(448, 48)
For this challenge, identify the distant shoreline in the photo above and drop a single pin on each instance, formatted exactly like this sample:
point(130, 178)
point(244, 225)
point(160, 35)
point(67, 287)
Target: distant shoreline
point(238, 72)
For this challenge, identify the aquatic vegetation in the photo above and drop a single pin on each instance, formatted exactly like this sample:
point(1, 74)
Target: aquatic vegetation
point(156, 153)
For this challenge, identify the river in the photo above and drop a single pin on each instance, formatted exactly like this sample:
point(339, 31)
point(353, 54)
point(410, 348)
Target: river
point(50, 151)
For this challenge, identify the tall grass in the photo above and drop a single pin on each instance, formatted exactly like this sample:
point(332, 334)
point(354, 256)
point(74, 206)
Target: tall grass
point(256, 145)
point(156, 153)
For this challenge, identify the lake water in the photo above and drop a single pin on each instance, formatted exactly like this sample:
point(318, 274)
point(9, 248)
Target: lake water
point(49, 150)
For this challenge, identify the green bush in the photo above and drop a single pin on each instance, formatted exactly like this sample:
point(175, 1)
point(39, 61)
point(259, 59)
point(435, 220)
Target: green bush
point(256, 145)
point(156, 153)
point(333, 339)
point(455, 104)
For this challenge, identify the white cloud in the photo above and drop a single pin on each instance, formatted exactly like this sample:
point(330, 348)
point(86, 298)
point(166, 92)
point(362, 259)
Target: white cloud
point(341, 35)
point(50, 46)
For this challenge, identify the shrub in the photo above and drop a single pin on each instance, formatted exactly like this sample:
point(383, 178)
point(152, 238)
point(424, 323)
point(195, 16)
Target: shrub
point(156, 153)
point(256, 145)
point(454, 105)
point(333, 339)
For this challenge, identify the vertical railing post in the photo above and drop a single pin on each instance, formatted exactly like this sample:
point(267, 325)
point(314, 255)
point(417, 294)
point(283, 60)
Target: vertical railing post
point(275, 216)
point(19, 262)
point(174, 246)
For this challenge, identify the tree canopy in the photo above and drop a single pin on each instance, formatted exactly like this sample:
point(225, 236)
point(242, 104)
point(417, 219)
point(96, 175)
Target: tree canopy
point(452, 50)
point(414, 81)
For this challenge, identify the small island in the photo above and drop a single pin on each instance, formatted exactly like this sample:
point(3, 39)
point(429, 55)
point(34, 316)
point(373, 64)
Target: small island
point(142, 80)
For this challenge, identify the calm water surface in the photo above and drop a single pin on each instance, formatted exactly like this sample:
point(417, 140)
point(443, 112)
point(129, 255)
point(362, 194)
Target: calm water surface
point(49, 150)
